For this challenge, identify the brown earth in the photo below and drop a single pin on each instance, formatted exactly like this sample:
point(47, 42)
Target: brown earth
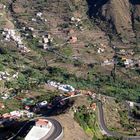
point(72, 130)
point(113, 118)
point(121, 15)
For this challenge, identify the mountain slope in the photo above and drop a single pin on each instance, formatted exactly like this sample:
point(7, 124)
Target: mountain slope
point(123, 15)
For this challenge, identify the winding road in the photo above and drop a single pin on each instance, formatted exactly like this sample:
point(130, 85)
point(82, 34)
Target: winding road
point(103, 126)
point(106, 131)
point(58, 130)
point(55, 133)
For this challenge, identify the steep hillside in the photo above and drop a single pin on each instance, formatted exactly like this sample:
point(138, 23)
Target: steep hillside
point(122, 15)
point(56, 40)
point(91, 45)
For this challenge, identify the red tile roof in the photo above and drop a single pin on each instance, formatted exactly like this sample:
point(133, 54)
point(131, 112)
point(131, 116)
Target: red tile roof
point(42, 122)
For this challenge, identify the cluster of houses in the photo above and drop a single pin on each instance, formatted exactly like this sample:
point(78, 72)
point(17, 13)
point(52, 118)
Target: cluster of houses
point(39, 15)
point(90, 108)
point(124, 57)
point(127, 62)
point(130, 63)
point(77, 22)
point(6, 76)
point(63, 87)
point(108, 62)
point(126, 52)
point(102, 48)
point(11, 34)
point(17, 114)
point(5, 96)
point(46, 41)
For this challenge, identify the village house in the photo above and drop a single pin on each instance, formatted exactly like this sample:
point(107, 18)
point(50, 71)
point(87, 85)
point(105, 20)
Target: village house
point(39, 14)
point(34, 19)
point(4, 76)
point(40, 130)
point(15, 76)
point(128, 63)
point(6, 115)
point(73, 39)
point(100, 50)
point(122, 51)
point(2, 106)
point(108, 62)
point(93, 106)
point(71, 93)
point(31, 28)
point(2, 7)
point(74, 19)
point(5, 96)
point(11, 34)
point(131, 104)
point(16, 114)
point(43, 123)
point(46, 40)
point(63, 87)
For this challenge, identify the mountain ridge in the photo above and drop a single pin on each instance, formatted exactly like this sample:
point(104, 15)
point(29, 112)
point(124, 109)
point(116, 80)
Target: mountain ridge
point(122, 15)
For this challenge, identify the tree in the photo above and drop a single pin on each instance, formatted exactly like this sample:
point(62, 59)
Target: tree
point(23, 82)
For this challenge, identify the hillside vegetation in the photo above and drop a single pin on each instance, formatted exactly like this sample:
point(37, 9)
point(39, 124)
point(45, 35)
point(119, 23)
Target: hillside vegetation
point(98, 26)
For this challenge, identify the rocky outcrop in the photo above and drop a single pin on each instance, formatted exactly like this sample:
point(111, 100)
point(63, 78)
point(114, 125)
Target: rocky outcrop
point(124, 15)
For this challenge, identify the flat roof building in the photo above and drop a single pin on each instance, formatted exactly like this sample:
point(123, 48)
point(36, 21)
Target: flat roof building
point(40, 130)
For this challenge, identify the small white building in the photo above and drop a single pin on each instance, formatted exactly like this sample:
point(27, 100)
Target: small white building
point(131, 104)
point(63, 87)
point(39, 14)
point(15, 114)
point(100, 50)
point(129, 63)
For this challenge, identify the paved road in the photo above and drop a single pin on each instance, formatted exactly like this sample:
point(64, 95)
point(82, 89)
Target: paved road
point(57, 126)
point(57, 131)
point(106, 131)
point(102, 124)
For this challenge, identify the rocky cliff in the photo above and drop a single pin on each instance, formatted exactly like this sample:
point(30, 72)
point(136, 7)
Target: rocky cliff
point(123, 16)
